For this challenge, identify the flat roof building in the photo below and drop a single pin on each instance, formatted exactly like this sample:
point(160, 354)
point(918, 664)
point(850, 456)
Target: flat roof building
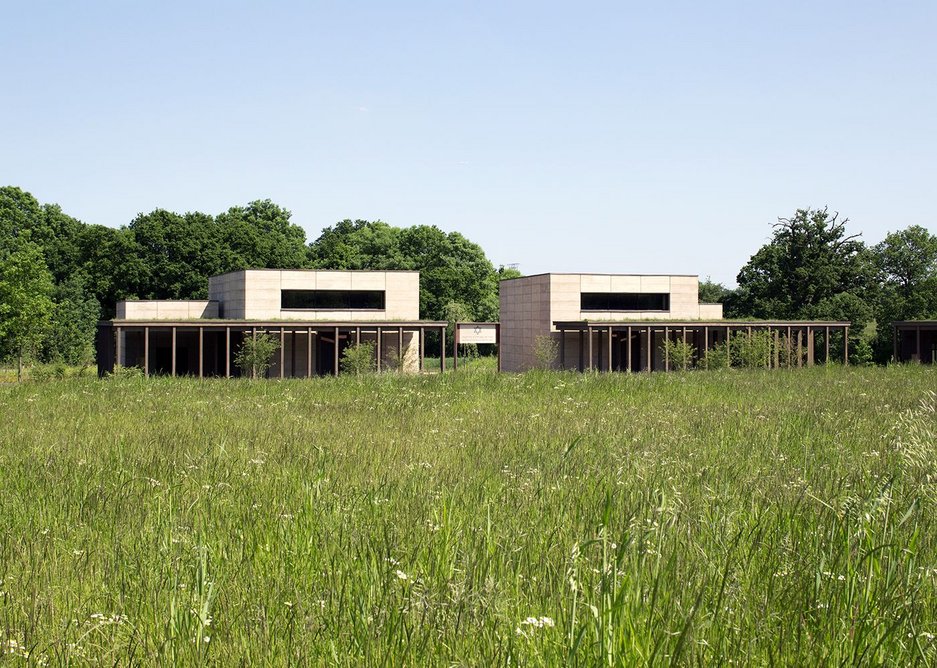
point(315, 314)
point(619, 322)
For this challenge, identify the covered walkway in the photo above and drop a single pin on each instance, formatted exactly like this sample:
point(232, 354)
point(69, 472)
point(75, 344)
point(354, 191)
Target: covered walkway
point(640, 345)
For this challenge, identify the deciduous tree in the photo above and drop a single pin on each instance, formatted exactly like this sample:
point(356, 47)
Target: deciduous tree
point(25, 300)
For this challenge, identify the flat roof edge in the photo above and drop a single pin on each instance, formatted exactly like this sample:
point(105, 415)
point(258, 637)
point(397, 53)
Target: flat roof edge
point(221, 322)
point(704, 323)
point(593, 273)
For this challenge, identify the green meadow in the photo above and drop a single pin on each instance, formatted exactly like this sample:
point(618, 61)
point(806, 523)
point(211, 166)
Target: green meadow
point(472, 519)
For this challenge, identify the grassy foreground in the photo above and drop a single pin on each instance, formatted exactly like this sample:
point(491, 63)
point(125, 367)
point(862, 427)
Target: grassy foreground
point(472, 519)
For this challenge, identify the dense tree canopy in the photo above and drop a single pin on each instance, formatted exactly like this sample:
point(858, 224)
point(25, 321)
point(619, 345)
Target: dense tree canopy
point(25, 298)
point(805, 270)
point(452, 268)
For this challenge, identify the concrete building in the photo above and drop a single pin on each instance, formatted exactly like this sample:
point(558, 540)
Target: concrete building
point(315, 314)
point(619, 322)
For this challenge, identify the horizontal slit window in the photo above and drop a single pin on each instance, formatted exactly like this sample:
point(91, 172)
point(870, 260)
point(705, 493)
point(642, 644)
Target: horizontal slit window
point(333, 300)
point(625, 301)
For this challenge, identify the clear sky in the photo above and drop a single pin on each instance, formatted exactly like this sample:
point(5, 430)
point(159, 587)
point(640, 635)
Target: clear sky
point(624, 137)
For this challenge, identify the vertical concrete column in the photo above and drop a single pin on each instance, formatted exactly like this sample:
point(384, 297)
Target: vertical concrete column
point(201, 341)
point(173, 352)
point(146, 352)
point(309, 352)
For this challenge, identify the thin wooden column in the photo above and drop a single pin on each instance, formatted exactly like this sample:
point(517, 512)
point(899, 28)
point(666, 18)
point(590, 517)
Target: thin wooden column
point(598, 361)
point(666, 349)
point(826, 345)
point(423, 346)
point(788, 347)
point(581, 336)
point(846, 345)
point(610, 350)
point(118, 346)
point(705, 339)
point(201, 351)
point(227, 352)
point(442, 350)
point(498, 343)
point(811, 345)
point(455, 348)
point(400, 349)
point(173, 352)
point(146, 352)
point(335, 356)
point(800, 348)
point(590, 348)
point(728, 346)
point(309, 352)
point(357, 336)
point(917, 338)
point(562, 349)
point(282, 350)
point(650, 349)
point(378, 347)
point(628, 352)
point(777, 348)
point(894, 343)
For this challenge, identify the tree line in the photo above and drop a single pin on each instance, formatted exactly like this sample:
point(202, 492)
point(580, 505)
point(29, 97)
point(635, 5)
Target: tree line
point(59, 276)
point(812, 268)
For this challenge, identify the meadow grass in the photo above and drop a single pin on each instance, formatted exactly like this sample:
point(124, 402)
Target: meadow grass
point(744, 517)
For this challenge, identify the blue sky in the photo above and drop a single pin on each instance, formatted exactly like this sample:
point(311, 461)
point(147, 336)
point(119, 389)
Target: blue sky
point(622, 137)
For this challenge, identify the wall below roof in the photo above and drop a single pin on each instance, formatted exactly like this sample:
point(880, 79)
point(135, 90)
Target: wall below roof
point(166, 309)
point(254, 294)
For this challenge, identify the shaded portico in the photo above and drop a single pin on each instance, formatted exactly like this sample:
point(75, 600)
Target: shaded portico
point(307, 348)
point(639, 345)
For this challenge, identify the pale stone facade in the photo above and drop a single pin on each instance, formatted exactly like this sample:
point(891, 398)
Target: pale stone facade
point(530, 306)
point(255, 294)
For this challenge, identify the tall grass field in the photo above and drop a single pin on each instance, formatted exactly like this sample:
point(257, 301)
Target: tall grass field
point(747, 518)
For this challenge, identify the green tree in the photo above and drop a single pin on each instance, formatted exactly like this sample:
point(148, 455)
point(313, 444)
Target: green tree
point(25, 301)
point(711, 292)
point(179, 252)
point(907, 265)
point(74, 322)
point(359, 358)
point(19, 213)
point(113, 265)
point(810, 259)
point(260, 235)
point(255, 353)
point(452, 268)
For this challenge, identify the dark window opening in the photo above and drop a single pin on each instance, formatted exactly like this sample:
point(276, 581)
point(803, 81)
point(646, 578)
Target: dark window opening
point(332, 300)
point(625, 301)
